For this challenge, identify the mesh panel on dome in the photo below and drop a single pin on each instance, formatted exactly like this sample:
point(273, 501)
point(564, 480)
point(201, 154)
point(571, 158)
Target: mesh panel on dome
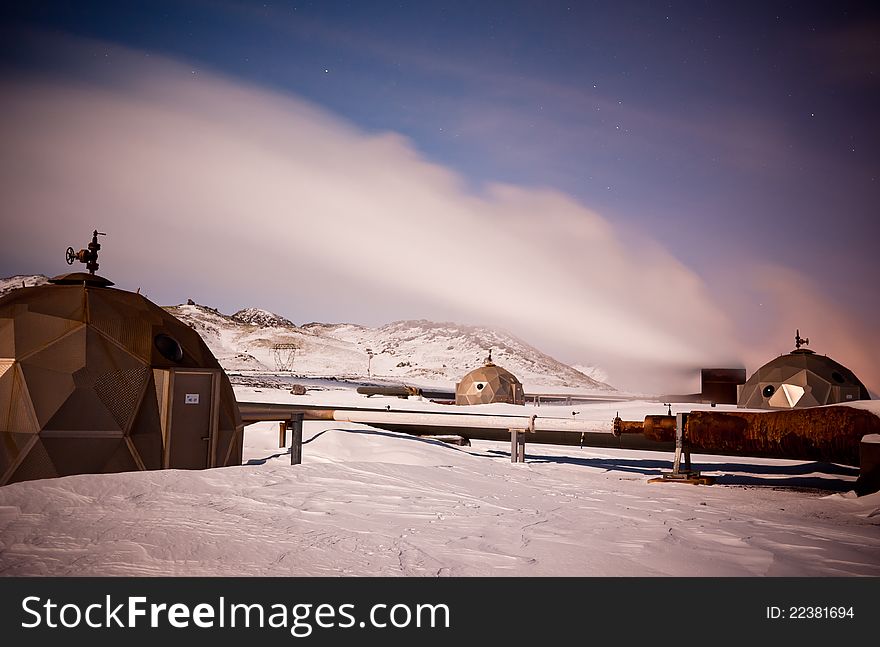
point(120, 390)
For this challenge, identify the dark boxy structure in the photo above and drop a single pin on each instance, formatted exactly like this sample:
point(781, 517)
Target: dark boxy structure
point(95, 379)
point(719, 385)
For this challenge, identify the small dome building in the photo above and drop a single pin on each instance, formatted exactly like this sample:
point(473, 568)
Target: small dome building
point(487, 384)
point(95, 379)
point(801, 379)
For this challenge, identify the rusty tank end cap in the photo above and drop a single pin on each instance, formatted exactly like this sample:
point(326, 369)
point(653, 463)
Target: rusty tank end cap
point(81, 278)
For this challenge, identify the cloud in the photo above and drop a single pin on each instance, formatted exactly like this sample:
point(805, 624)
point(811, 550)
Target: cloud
point(235, 195)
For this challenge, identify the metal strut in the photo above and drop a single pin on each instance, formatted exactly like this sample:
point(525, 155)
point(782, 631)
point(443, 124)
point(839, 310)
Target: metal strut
point(688, 474)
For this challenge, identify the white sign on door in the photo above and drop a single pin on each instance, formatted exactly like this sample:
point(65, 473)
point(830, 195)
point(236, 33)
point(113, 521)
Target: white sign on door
point(191, 398)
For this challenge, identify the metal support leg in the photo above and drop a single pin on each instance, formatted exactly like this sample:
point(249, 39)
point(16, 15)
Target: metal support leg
point(517, 446)
point(514, 445)
point(282, 433)
point(688, 474)
point(296, 438)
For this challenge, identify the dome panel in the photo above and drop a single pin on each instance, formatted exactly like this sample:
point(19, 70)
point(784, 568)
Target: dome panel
point(11, 446)
point(146, 432)
point(820, 388)
point(83, 412)
point(66, 354)
point(35, 465)
point(7, 338)
point(86, 455)
point(135, 335)
point(63, 302)
point(35, 331)
point(105, 356)
point(15, 405)
point(48, 390)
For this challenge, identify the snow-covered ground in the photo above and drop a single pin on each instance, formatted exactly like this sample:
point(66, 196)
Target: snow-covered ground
point(372, 502)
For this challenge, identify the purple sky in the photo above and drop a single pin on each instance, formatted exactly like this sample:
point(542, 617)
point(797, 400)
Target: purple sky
point(677, 185)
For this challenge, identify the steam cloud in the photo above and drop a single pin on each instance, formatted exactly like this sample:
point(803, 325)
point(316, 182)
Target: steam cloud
point(236, 196)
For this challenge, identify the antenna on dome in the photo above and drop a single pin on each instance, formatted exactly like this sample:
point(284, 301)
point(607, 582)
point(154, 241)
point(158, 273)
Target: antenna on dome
point(800, 341)
point(489, 359)
point(88, 256)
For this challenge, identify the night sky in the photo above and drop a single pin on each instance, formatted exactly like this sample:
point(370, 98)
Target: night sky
point(738, 142)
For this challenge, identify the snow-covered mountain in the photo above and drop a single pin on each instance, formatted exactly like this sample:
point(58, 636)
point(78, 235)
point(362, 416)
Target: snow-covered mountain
point(261, 317)
point(11, 283)
point(421, 352)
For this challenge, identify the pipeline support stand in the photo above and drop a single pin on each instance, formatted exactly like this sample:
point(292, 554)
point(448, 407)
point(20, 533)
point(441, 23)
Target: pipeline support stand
point(517, 446)
point(688, 474)
point(296, 438)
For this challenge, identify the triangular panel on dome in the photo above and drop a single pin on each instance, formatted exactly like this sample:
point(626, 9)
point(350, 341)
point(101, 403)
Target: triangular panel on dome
point(146, 432)
point(11, 446)
point(83, 412)
point(48, 390)
point(35, 331)
point(88, 455)
point(785, 373)
point(6, 365)
point(786, 396)
point(35, 465)
point(162, 380)
point(7, 337)
point(820, 388)
point(106, 356)
point(16, 411)
point(135, 335)
point(115, 304)
point(65, 302)
point(122, 460)
point(65, 354)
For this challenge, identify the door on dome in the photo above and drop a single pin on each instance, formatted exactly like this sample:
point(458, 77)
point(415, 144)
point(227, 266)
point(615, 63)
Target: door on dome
point(192, 423)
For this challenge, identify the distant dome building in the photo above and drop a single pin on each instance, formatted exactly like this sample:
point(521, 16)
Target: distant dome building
point(95, 380)
point(801, 379)
point(487, 384)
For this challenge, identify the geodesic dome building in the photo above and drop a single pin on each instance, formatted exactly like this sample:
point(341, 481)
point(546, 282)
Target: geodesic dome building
point(801, 379)
point(95, 379)
point(487, 384)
